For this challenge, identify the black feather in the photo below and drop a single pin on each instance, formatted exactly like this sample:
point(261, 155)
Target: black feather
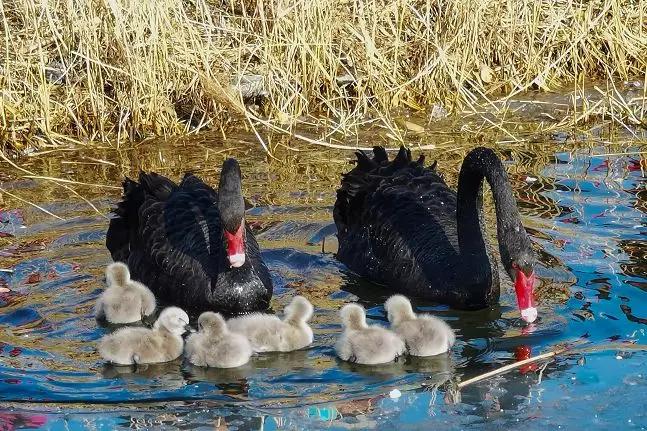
point(397, 225)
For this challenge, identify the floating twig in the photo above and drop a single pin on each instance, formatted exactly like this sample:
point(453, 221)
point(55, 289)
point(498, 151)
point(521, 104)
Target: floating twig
point(509, 367)
point(549, 355)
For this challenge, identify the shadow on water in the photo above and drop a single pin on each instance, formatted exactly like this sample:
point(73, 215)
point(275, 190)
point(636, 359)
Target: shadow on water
point(585, 213)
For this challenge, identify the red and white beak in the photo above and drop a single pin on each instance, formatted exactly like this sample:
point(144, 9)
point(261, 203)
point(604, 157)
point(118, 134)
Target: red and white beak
point(523, 286)
point(236, 246)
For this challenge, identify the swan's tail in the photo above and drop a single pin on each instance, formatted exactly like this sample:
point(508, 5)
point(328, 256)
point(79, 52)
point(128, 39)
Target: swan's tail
point(125, 222)
point(366, 177)
point(353, 316)
point(398, 308)
point(299, 311)
point(156, 185)
point(117, 274)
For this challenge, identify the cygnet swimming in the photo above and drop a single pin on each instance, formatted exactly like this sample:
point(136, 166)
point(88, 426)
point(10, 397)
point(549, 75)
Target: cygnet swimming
point(125, 300)
point(268, 333)
point(423, 334)
point(364, 344)
point(137, 345)
point(215, 346)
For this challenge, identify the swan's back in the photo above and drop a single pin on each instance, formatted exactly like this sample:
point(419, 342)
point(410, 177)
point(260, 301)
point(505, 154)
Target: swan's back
point(396, 223)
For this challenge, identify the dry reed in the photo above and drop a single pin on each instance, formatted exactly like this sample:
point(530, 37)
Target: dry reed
point(83, 71)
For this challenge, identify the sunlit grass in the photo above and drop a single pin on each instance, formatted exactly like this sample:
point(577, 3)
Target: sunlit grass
point(74, 72)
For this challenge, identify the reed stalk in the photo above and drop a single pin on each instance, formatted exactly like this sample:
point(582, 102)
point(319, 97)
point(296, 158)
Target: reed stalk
point(77, 72)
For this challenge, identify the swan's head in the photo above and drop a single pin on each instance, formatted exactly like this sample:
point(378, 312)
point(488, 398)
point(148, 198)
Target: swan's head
point(232, 211)
point(353, 316)
point(174, 320)
point(211, 322)
point(398, 308)
point(522, 273)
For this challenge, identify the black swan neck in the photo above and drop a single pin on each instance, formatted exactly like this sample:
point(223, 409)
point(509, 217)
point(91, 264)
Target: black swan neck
point(478, 270)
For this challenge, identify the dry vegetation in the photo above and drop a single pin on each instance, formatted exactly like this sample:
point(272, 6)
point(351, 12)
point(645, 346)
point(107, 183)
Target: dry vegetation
point(117, 70)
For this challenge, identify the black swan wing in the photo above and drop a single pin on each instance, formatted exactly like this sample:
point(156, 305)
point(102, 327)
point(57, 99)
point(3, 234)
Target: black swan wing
point(178, 249)
point(397, 224)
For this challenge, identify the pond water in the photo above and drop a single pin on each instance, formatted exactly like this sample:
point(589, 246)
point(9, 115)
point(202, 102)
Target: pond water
point(584, 209)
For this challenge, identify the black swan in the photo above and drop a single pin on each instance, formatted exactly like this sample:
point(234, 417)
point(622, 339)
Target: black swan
point(190, 244)
point(400, 225)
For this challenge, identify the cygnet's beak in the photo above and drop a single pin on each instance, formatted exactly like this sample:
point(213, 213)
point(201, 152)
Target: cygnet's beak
point(188, 328)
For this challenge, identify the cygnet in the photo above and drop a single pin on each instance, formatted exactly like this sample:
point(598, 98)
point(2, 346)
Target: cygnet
point(215, 346)
point(137, 345)
point(423, 334)
point(364, 344)
point(268, 333)
point(125, 300)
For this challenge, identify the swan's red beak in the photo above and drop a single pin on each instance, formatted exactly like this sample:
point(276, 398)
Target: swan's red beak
point(523, 286)
point(236, 246)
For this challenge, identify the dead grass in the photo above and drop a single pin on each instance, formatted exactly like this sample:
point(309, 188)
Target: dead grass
point(75, 72)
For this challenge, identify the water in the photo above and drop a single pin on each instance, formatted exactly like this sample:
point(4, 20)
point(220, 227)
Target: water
point(586, 215)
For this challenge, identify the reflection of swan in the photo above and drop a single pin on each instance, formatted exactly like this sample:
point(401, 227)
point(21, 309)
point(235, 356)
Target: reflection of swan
point(168, 374)
point(281, 361)
point(231, 381)
point(220, 376)
point(264, 366)
point(438, 368)
point(384, 371)
point(172, 368)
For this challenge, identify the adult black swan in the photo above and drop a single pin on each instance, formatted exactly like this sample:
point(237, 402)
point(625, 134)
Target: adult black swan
point(189, 244)
point(400, 225)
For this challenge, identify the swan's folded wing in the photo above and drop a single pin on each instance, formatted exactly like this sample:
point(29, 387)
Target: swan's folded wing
point(404, 224)
point(179, 242)
point(359, 185)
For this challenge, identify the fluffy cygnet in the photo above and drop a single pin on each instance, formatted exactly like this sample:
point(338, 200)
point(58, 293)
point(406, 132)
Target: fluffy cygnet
point(364, 344)
point(138, 345)
point(423, 334)
point(125, 300)
point(215, 346)
point(268, 333)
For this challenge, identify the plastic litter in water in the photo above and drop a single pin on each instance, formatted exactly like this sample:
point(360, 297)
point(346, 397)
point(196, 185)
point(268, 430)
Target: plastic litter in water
point(395, 393)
